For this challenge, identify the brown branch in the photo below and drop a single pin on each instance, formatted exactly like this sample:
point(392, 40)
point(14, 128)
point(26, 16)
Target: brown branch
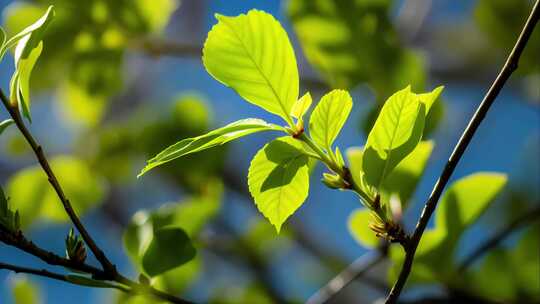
point(19, 241)
point(510, 66)
point(13, 110)
point(50, 275)
point(520, 221)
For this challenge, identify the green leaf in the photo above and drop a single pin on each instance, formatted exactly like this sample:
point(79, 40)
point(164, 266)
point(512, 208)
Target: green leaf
point(353, 42)
point(35, 198)
point(428, 99)
point(405, 177)
point(214, 138)
point(22, 76)
point(460, 206)
point(396, 133)
point(252, 54)
point(301, 106)
point(278, 179)
point(358, 224)
point(28, 48)
point(329, 116)
point(25, 291)
point(4, 124)
point(170, 247)
point(2, 40)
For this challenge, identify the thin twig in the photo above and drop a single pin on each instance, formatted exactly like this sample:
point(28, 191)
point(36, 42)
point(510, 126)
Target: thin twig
point(20, 242)
point(509, 67)
point(355, 270)
point(520, 221)
point(13, 110)
point(50, 275)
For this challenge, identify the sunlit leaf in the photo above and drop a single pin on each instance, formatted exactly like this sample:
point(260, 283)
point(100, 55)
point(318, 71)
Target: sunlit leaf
point(252, 54)
point(214, 138)
point(396, 133)
point(278, 179)
point(358, 224)
point(329, 116)
point(406, 175)
point(301, 106)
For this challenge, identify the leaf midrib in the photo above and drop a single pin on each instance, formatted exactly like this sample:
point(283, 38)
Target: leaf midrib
point(259, 68)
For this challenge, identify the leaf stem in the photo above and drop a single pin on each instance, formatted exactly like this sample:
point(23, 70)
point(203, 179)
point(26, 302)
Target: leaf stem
point(510, 66)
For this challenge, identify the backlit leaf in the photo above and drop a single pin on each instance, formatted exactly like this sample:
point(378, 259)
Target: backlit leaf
point(358, 224)
point(252, 54)
point(329, 116)
point(279, 179)
point(396, 133)
point(214, 138)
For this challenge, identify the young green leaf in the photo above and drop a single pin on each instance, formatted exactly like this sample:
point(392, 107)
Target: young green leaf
point(87, 281)
point(31, 35)
point(237, 129)
point(29, 46)
point(252, 54)
point(301, 106)
point(428, 99)
point(278, 179)
point(329, 116)
point(404, 178)
point(396, 132)
point(358, 224)
point(2, 40)
point(170, 247)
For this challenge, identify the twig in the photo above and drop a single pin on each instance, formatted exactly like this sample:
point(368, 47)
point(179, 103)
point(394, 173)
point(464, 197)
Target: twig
point(20, 242)
point(509, 67)
point(520, 221)
point(49, 274)
point(358, 268)
point(13, 110)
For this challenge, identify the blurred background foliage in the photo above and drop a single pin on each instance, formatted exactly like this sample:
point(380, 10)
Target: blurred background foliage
point(120, 80)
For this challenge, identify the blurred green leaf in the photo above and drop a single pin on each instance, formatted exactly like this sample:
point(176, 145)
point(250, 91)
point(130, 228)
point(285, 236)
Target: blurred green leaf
point(214, 138)
point(87, 281)
point(252, 54)
point(396, 133)
point(328, 118)
point(31, 193)
point(278, 179)
point(25, 291)
point(350, 42)
point(358, 224)
point(404, 178)
point(460, 207)
point(170, 248)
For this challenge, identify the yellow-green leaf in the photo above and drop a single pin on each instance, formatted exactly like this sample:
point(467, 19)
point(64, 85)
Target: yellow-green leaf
point(214, 138)
point(252, 54)
point(358, 224)
point(301, 106)
point(396, 132)
point(329, 116)
point(278, 179)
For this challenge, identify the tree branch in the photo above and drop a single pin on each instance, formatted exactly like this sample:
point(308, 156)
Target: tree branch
point(355, 270)
point(509, 67)
point(13, 110)
point(49, 274)
point(520, 221)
